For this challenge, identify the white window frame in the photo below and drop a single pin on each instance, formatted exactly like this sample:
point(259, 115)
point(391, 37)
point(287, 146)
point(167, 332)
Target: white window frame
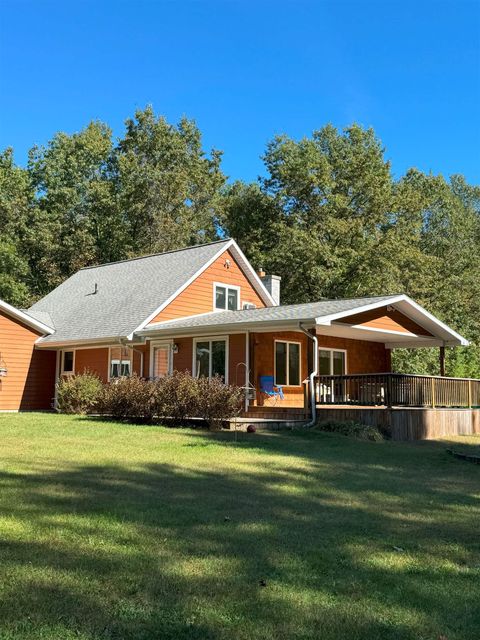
point(109, 377)
point(287, 384)
point(226, 287)
point(72, 372)
point(154, 344)
point(210, 339)
point(344, 351)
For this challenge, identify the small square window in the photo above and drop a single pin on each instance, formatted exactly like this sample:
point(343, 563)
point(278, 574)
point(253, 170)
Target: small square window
point(226, 298)
point(67, 362)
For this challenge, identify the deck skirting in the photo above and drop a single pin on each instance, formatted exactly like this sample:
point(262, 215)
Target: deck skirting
point(410, 423)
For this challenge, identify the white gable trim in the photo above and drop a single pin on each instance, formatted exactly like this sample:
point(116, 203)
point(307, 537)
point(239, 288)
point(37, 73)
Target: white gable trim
point(417, 314)
point(25, 318)
point(225, 247)
point(262, 290)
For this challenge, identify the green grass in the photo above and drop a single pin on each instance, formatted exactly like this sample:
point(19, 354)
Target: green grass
point(130, 532)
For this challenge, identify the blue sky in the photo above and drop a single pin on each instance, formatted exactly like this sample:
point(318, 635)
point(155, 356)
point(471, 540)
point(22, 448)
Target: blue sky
point(246, 71)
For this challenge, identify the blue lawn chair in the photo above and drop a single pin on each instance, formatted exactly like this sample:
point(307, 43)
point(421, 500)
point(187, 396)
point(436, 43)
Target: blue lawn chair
point(270, 389)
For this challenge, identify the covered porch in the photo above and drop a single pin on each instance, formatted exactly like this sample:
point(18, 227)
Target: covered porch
point(301, 363)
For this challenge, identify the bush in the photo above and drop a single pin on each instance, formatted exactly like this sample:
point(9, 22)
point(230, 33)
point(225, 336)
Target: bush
point(177, 396)
point(353, 429)
point(129, 398)
point(173, 398)
point(218, 401)
point(79, 394)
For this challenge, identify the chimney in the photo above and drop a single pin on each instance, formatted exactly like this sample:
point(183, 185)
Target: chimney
point(272, 285)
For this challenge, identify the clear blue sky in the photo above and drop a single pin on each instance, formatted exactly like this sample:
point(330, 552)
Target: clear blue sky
point(247, 70)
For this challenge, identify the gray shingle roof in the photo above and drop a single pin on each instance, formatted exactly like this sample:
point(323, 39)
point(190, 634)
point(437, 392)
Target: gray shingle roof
point(293, 312)
point(128, 292)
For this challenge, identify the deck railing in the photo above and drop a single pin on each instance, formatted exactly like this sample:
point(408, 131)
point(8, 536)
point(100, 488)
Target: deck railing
point(397, 389)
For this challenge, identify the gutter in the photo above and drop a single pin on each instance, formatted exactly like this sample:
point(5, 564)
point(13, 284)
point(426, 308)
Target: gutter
point(311, 377)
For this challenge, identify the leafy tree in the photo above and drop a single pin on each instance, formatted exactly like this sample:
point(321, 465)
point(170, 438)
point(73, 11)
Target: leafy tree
point(15, 200)
point(168, 188)
point(71, 220)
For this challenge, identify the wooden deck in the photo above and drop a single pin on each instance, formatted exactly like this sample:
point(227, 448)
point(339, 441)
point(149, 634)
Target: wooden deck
point(397, 390)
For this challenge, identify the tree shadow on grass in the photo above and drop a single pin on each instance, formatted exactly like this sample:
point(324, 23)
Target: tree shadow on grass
point(328, 548)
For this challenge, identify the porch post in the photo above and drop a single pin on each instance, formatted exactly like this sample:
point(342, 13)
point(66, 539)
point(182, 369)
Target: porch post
point(442, 361)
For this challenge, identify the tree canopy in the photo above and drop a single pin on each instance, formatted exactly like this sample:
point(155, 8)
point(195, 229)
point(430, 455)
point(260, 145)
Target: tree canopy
point(328, 216)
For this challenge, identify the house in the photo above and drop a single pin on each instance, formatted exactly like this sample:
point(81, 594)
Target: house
point(206, 310)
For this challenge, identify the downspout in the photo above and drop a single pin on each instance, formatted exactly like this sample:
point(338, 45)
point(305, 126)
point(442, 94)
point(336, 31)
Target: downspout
point(311, 377)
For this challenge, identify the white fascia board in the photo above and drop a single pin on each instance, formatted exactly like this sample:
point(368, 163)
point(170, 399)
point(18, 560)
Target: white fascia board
point(457, 339)
point(261, 289)
point(27, 319)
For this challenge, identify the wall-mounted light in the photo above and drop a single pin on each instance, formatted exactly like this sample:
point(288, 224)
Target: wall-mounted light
point(175, 348)
point(3, 367)
point(227, 264)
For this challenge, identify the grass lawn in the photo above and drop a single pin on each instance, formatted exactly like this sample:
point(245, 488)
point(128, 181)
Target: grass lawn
point(129, 532)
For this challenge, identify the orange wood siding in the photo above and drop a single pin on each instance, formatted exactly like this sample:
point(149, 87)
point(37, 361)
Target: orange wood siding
point(94, 360)
point(182, 361)
point(198, 296)
point(262, 356)
point(383, 319)
point(362, 356)
point(30, 381)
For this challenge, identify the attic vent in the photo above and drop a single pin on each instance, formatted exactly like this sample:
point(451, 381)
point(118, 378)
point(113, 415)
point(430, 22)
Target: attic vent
point(249, 305)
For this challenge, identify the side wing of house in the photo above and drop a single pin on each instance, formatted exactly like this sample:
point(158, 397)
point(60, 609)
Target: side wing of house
point(28, 375)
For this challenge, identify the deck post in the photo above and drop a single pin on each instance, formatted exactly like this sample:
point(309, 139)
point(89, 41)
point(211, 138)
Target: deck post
point(433, 393)
point(442, 361)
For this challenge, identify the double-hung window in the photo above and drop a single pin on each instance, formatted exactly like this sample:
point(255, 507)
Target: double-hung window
point(120, 362)
point(287, 363)
point(226, 297)
point(210, 358)
point(332, 362)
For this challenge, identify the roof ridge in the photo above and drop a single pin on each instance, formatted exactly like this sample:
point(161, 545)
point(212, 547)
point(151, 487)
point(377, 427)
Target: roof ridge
point(153, 255)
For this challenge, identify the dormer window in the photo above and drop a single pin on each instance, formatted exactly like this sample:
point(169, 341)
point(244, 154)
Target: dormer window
point(226, 297)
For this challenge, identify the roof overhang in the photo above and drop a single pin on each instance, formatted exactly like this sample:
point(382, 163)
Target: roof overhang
point(25, 318)
point(264, 326)
point(441, 334)
point(87, 342)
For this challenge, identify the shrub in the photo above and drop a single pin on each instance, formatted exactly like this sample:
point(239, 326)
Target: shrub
point(353, 429)
point(78, 394)
point(129, 398)
point(177, 396)
point(217, 401)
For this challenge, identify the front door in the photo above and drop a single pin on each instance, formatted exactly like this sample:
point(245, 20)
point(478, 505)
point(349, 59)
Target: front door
point(161, 360)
